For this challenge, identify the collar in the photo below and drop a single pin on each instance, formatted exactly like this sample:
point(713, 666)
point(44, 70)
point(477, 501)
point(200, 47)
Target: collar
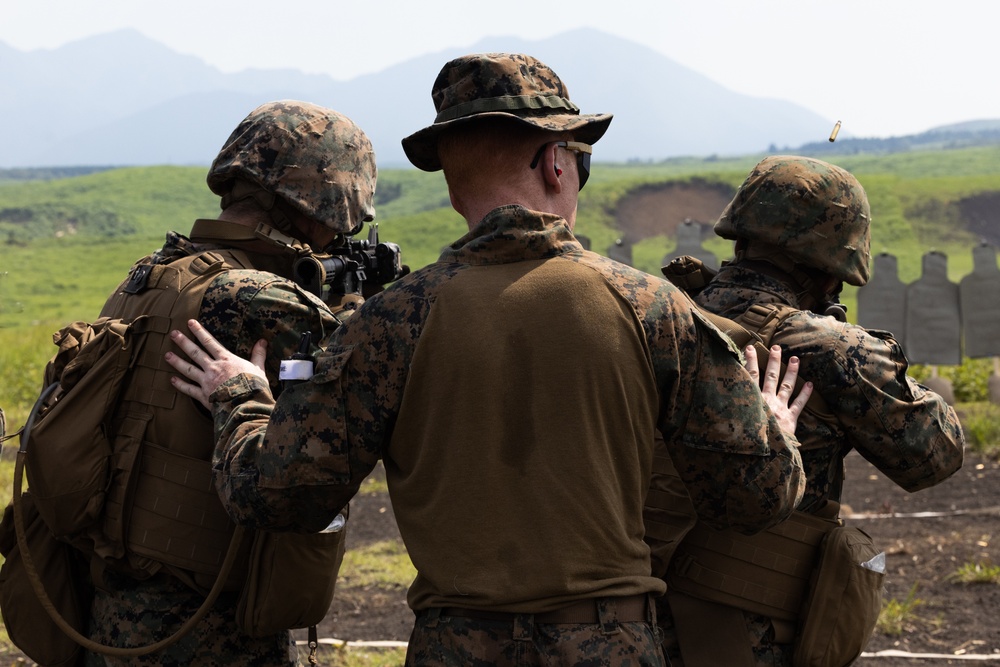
point(734, 278)
point(513, 233)
point(230, 233)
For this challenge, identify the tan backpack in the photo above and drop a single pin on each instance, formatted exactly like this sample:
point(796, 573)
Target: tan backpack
point(95, 481)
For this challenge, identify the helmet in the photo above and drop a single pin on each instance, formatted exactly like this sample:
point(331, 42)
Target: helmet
point(815, 212)
point(314, 158)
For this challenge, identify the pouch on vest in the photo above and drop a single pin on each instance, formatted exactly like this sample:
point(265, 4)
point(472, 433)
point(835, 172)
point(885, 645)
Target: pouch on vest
point(71, 426)
point(767, 573)
point(291, 581)
point(844, 600)
point(28, 625)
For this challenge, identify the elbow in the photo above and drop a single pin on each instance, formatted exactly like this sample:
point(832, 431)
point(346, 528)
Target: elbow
point(945, 454)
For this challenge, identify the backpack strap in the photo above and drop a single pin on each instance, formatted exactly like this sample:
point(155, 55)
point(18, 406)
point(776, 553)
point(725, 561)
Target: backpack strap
point(46, 602)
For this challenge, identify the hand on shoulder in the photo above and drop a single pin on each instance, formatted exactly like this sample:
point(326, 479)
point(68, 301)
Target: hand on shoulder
point(777, 390)
point(209, 365)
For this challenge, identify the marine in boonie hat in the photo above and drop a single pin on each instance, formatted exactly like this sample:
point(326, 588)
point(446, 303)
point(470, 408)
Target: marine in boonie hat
point(500, 85)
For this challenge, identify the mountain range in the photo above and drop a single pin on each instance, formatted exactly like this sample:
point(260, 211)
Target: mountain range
point(123, 99)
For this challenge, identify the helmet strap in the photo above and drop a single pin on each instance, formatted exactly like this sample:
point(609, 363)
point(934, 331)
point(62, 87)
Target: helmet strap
point(283, 232)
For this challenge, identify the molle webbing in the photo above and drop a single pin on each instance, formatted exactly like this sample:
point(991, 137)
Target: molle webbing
point(767, 573)
point(175, 516)
point(161, 506)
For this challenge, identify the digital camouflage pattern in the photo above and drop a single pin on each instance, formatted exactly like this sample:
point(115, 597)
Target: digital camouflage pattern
point(814, 212)
point(908, 432)
point(315, 158)
point(722, 434)
point(239, 307)
point(453, 454)
point(464, 642)
point(500, 85)
point(142, 612)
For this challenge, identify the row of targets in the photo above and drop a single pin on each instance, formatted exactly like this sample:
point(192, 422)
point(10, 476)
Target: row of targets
point(689, 235)
point(935, 320)
point(938, 321)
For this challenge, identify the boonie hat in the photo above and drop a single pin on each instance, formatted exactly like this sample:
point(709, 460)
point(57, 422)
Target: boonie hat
point(500, 85)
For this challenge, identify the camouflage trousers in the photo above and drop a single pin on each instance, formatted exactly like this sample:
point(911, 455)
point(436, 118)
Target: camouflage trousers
point(760, 637)
point(444, 641)
point(130, 613)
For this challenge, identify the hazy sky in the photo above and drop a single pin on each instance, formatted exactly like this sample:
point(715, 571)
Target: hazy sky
point(883, 67)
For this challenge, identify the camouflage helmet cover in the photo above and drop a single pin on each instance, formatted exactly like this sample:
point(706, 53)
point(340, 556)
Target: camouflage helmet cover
point(316, 159)
point(500, 85)
point(816, 212)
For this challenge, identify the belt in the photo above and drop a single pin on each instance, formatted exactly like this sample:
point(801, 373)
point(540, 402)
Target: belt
point(630, 609)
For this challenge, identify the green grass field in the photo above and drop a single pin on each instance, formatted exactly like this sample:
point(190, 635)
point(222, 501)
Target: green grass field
point(66, 243)
point(60, 256)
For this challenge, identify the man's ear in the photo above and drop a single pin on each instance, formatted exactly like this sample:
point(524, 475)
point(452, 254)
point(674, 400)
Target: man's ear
point(550, 170)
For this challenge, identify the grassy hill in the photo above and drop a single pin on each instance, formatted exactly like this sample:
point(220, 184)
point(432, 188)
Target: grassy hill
point(66, 242)
point(67, 237)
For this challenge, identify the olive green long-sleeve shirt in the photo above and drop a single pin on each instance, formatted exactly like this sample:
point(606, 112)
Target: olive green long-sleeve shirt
point(512, 390)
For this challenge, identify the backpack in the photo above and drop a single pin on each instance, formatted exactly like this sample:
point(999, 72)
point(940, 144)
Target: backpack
point(791, 572)
point(95, 481)
point(16, 590)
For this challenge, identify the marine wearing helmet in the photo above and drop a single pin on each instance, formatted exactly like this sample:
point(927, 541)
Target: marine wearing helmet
point(296, 158)
point(802, 215)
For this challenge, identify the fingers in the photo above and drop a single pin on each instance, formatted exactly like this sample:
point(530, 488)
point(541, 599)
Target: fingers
point(777, 388)
point(798, 405)
point(788, 381)
point(750, 353)
point(183, 366)
point(207, 340)
point(773, 370)
point(190, 384)
point(187, 346)
point(258, 355)
point(192, 390)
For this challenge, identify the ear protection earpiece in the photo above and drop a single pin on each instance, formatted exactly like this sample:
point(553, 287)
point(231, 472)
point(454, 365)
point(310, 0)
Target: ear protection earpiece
point(558, 170)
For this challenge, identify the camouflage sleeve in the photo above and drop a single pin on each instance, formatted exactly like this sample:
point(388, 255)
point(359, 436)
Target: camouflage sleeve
point(740, 470)
point(239, 308)
point(243, 306)
point(293, 463)
point(905, 430)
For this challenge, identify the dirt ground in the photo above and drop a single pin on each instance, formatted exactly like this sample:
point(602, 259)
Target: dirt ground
point(922, 551)
point(926, 536)
point(952, 619)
